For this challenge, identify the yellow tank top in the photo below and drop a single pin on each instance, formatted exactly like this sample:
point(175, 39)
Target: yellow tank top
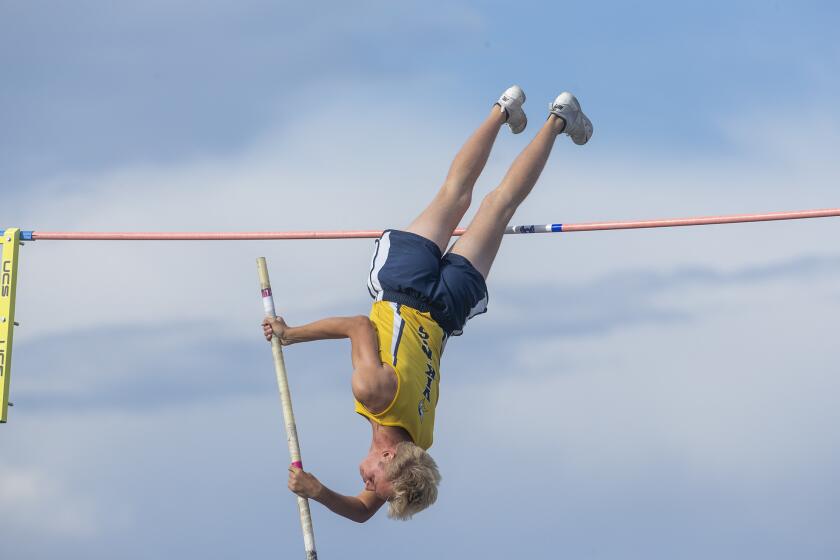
point(411, 342)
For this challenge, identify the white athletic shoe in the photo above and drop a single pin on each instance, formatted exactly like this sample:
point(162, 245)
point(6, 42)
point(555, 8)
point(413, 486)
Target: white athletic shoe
point(510, 103)
point(578, 125)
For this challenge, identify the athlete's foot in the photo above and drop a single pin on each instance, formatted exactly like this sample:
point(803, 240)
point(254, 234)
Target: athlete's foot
point(510, 103)
point(556, 123)
point(578, 126)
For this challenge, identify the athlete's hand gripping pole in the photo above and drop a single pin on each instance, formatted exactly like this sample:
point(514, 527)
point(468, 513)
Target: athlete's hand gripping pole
point(288, 415)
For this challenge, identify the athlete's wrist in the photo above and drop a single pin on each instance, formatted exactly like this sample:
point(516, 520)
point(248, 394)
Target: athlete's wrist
point(291, 335)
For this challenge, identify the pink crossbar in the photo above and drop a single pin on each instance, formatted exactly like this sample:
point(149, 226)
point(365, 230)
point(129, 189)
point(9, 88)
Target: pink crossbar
point(545, 228)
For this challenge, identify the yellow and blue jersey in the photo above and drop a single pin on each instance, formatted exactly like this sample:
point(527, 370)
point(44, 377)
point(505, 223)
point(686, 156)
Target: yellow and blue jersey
point(411, 342)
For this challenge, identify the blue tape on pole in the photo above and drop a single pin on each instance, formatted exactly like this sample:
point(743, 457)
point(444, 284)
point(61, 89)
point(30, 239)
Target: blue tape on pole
point(556, 228)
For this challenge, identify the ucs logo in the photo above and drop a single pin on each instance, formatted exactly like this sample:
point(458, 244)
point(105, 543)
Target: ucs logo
point(6, 279)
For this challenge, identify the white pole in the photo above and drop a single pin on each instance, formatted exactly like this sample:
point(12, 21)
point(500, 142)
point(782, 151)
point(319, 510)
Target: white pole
point(288, 414)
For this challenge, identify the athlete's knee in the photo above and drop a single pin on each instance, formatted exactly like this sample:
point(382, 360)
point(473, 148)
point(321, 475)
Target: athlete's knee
point(499, 203)
point(458, 196)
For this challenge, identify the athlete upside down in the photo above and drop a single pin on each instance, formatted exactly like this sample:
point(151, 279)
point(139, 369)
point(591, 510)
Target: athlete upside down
point(423, 294)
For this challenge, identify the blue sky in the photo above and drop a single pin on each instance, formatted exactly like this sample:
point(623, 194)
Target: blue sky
point(643, 394)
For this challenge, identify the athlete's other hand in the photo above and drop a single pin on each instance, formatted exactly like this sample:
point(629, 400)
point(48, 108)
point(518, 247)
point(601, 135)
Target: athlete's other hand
point(303, 483)
point(276, 326)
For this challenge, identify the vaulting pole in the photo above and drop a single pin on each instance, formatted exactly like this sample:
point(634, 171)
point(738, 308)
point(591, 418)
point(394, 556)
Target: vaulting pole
point(288, 414)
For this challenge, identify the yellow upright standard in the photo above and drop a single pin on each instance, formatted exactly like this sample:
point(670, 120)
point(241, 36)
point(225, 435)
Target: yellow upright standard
point(8, 284)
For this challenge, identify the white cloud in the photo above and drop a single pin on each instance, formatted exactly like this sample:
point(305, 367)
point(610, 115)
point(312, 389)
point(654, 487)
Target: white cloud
point(41, 503)
point(740, 393)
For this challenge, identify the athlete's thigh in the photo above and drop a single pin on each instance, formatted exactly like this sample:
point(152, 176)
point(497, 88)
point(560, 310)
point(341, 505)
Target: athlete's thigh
point(440, 218)
point(481, 241)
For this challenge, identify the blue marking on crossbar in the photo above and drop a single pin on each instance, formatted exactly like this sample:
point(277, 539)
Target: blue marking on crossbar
point(24, 235)
point(556, 228)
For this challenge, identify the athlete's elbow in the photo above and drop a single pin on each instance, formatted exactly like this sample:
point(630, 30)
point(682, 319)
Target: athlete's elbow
point(361, 517)
point(360, 323)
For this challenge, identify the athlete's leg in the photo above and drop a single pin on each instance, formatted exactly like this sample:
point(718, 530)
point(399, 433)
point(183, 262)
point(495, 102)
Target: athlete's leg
point(453, 199)
point(480, 243)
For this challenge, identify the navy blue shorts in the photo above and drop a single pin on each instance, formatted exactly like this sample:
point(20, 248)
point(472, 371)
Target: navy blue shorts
point(408, 269)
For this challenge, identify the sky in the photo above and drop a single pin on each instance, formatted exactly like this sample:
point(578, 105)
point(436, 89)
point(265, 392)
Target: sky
point(630, 394)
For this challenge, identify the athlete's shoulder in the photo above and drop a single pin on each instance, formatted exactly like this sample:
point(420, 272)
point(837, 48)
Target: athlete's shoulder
point(375, 387)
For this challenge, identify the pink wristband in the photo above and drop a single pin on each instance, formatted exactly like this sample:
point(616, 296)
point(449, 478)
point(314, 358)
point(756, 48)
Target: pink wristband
point(297, 465)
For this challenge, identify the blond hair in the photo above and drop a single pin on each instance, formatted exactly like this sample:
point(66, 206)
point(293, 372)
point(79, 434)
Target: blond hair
point(414, 477)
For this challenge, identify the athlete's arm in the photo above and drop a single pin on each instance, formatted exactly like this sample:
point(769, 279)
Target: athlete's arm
point(370, 376)
point(356, 508)
point(357, 328)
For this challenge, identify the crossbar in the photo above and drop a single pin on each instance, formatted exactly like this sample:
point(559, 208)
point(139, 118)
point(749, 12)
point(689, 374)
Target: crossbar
point(366, 234)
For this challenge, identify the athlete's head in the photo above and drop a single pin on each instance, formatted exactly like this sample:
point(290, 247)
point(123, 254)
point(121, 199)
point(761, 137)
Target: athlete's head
point(405, 475)
point(413, 478)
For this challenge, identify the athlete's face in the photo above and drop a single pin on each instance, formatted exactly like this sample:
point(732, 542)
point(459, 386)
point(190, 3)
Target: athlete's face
point(372, 470)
